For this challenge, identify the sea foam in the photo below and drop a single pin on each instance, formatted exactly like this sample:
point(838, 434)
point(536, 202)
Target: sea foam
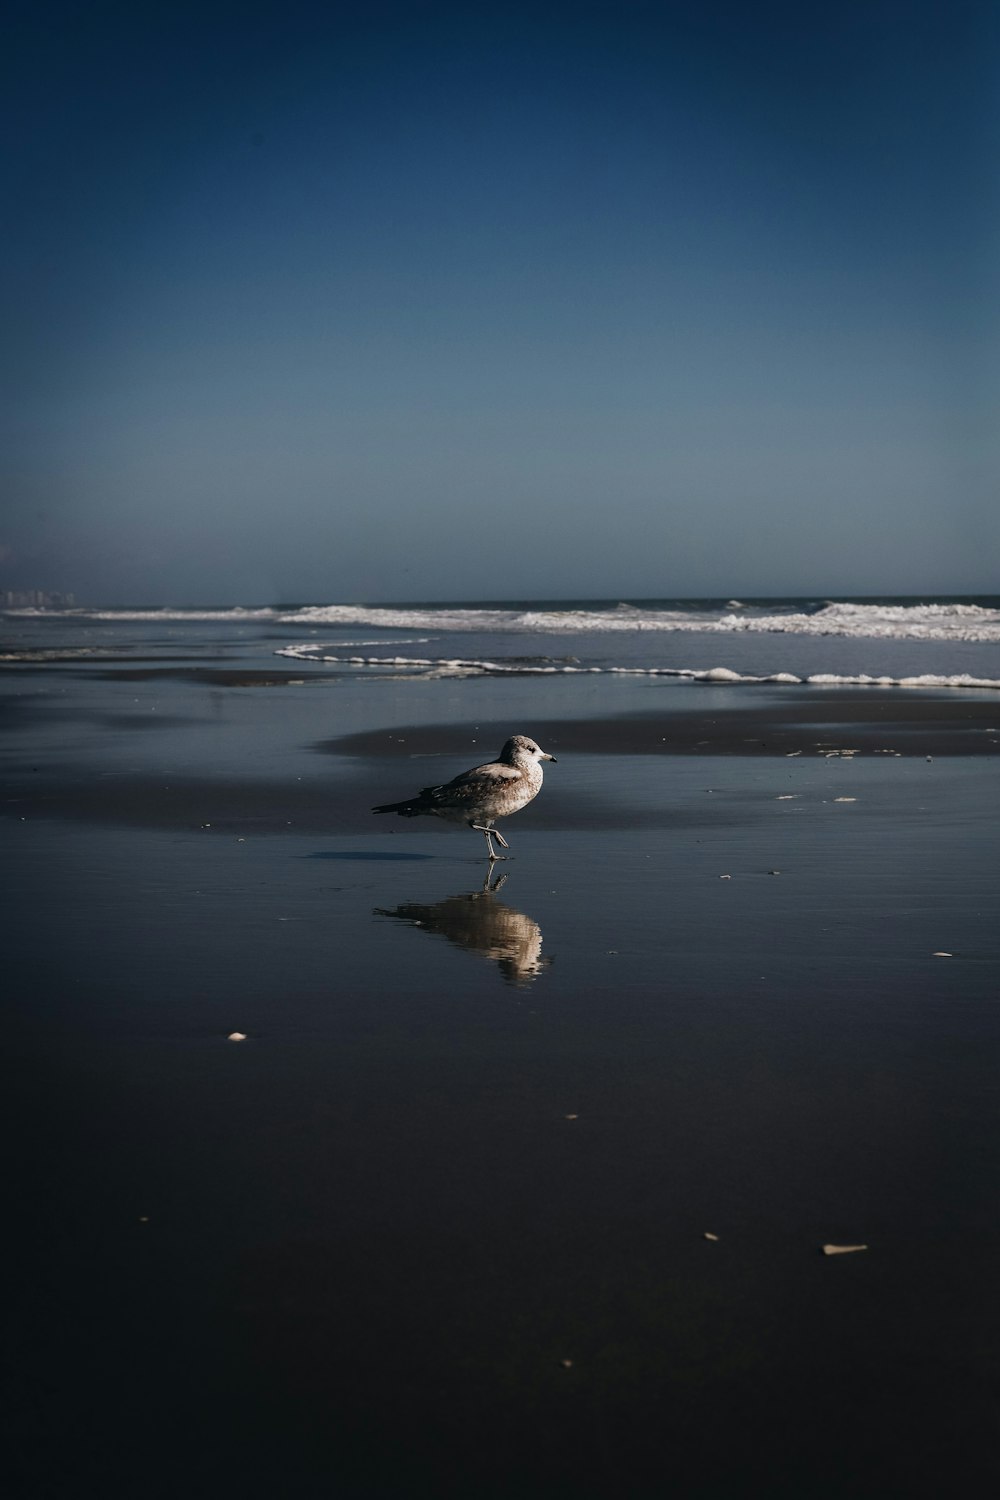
point(926, 622)
point(457, 666)
point(955, 621)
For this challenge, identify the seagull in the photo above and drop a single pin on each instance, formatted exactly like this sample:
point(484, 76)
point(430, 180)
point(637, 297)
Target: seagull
point(480, 796)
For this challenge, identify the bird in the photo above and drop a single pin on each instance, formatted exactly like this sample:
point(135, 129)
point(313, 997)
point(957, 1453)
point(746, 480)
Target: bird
point(480, 796)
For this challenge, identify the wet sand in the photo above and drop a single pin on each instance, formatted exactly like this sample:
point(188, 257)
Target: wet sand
point(438, 1225)
point(810, 723)
point(817, 725)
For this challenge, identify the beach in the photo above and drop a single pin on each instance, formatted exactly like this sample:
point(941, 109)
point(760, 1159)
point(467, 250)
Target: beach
point(517, 1179)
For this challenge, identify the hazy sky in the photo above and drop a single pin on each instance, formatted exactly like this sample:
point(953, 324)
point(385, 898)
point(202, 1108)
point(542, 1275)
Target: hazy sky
point(414, 301)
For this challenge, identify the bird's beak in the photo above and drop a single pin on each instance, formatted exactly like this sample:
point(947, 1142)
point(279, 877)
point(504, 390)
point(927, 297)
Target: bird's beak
point(547, 757)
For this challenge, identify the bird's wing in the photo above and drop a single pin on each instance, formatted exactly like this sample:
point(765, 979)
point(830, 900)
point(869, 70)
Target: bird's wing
point(472, 784)
point(493, 774)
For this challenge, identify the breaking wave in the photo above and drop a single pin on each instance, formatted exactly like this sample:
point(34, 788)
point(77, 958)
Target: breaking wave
point(456, 666)
point(941, 621)
point(927, 622)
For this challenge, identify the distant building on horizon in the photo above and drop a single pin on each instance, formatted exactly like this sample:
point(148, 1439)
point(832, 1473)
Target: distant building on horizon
point(35, 599)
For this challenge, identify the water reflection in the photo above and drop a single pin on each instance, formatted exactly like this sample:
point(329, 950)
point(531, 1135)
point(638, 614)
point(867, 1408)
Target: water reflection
point(478, 921)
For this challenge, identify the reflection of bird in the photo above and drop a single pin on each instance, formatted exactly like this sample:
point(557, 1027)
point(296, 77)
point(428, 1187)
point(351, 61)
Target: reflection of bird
point(479, 922)
point(480, 796)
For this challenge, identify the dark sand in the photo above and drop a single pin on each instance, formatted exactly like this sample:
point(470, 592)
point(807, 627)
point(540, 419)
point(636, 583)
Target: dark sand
point(438, 1225)
point(870, 720)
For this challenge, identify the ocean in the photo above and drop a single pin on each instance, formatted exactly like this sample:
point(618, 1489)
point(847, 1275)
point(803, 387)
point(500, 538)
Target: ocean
point(905, 642)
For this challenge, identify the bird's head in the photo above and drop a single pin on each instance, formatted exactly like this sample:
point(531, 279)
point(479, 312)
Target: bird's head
point(520, 748)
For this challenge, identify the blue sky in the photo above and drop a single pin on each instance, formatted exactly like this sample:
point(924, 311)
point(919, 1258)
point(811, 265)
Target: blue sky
point(416, 301)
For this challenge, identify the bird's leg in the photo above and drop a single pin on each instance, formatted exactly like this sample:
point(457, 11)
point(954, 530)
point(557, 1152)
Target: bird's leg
point(500, 838)
point(485, 828)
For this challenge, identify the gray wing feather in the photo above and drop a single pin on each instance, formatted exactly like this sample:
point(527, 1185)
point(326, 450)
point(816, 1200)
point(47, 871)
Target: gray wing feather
point(493, 775)
point(472, 784)
point(478, 779)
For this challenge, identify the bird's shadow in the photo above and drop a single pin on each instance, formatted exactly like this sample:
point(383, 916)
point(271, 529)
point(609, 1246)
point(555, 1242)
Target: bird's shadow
point(478, 922)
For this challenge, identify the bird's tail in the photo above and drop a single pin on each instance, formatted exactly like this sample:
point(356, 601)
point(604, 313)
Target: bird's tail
point(409, 809)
